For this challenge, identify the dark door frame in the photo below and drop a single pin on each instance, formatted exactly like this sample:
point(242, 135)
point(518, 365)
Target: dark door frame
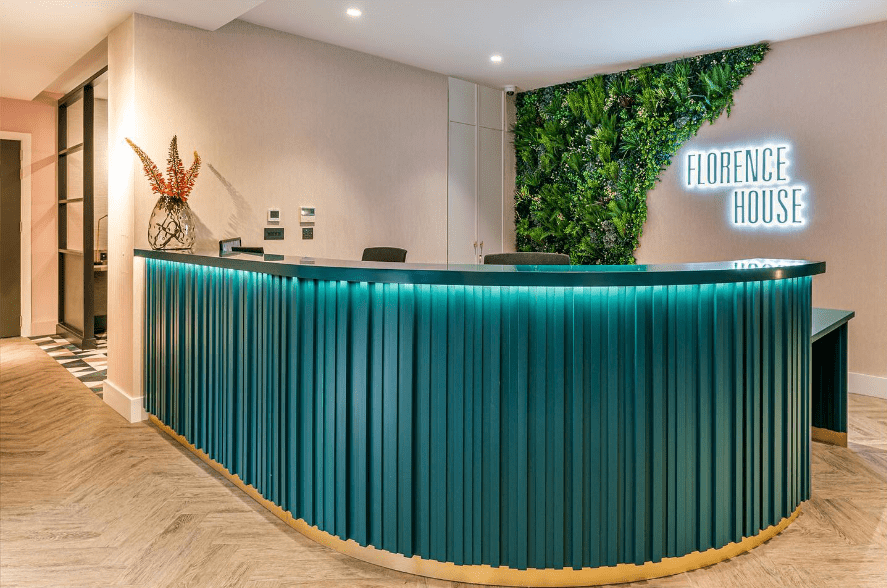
point(26, 286)
point(14, 320)
point(85, 339)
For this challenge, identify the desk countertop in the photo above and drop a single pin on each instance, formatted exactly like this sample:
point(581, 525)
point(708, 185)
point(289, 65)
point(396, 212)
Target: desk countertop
point(826, 320)
point(747, 270)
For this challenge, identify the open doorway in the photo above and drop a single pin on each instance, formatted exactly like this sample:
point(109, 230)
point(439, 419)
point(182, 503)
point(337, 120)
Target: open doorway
point(82, 211)
point(80, 342)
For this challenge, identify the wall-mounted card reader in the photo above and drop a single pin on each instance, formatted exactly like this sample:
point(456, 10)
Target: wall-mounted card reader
point(307, 215)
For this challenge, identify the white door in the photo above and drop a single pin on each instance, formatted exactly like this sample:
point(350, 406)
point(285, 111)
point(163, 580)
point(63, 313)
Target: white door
point(489, 190)
point(461, 194)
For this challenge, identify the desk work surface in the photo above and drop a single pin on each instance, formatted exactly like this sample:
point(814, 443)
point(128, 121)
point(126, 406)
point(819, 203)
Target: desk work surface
point(826, 320)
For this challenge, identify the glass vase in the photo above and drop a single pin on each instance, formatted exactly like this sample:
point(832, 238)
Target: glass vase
point(171, 226)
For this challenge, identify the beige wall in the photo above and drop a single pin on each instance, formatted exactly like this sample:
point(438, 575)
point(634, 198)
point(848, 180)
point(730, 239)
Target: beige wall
point(279, 121)
point(122, 388)
point(39, 120)
point(282, 121)
point(825, 95)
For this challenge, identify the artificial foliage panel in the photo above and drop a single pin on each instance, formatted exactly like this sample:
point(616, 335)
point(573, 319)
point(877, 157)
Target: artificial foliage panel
point(587, 152)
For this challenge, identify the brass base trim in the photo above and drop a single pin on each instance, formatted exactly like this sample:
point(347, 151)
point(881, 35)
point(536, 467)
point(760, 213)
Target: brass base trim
point(829, 436)
point(484, 574)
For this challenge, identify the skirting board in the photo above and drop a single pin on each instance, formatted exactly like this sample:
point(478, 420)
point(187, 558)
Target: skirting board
point(128, 407)
point(867, 385)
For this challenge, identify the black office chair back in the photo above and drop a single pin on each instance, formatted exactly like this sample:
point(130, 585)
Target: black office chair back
point(393, 254)
point(527, 258)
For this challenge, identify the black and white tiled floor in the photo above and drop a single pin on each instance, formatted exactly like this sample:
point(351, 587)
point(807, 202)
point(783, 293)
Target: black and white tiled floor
point(89, 366)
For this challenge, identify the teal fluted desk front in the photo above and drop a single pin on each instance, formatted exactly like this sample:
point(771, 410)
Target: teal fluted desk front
point(510, 425)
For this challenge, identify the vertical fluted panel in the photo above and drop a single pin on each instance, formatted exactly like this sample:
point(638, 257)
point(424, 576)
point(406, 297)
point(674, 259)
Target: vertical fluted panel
point(830, 384)
point(520, 426)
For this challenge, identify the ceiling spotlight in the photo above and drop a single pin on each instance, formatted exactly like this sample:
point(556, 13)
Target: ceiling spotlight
point(353, 12)
point(495, 58)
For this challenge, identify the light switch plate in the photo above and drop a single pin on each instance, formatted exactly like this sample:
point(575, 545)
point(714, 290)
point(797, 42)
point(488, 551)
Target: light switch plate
point(274, 233)
point(307, 232)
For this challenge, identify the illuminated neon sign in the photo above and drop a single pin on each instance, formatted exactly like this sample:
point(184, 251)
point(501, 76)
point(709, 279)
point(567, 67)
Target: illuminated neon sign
point(763, 195)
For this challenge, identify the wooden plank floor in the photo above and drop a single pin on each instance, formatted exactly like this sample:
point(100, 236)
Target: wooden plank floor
point(87, 500)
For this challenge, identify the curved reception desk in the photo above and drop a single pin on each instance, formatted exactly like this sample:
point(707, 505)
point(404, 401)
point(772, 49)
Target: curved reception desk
point(513, 425)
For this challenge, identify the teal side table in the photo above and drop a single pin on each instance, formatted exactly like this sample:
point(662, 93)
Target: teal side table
point(830, 367)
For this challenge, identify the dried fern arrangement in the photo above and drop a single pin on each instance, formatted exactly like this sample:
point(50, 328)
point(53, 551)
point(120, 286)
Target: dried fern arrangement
point(172, 225)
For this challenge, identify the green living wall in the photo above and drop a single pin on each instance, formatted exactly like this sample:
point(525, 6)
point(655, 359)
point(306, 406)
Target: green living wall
point(587, 152)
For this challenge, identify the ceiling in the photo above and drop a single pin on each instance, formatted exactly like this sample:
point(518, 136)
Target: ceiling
point(541, 42)
point(41, 39)
point(544, 42)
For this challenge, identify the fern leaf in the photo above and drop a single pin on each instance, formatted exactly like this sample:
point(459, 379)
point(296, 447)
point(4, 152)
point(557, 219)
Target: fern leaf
point(158, 184)
point(192, 172)
point(175, 170)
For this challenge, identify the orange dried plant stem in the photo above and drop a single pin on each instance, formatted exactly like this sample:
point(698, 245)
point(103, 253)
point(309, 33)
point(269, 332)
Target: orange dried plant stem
point(178, 183)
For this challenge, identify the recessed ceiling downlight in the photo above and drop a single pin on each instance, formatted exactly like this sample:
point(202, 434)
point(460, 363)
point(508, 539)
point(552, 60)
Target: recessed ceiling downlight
point(353, 12)
point(496, 58)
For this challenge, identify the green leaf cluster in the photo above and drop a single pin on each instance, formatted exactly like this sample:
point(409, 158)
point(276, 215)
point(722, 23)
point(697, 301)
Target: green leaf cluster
point(588, 152)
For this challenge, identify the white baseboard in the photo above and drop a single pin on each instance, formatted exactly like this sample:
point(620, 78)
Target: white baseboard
point(867, 385)
point(41, 328)
point(128, 407)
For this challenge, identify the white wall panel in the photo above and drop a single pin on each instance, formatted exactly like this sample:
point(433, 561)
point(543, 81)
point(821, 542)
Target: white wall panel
point(463, 102)
point(489, 108)
point(489, 189)
point(461, 193)
point(475, 203)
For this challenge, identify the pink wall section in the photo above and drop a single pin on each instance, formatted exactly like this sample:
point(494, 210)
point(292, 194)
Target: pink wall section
point(39, 120)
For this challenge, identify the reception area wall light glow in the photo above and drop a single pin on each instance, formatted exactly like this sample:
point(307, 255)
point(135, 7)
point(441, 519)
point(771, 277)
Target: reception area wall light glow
point(496, 58)
point(354, 12)
point(759, 174)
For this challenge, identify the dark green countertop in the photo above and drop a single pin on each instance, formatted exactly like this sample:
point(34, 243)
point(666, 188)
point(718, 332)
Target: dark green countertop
point(747, 270)
point(826, 320)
